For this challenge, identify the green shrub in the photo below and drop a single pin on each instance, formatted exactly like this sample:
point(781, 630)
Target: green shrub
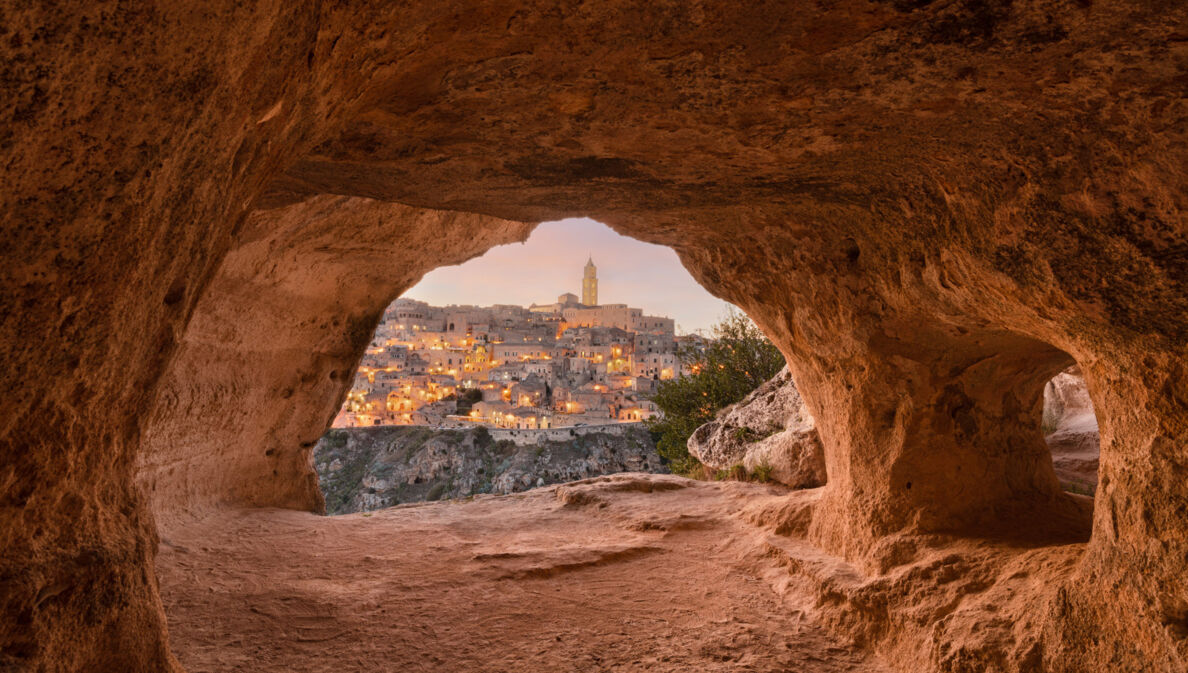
point(762, 473)
point(736, 362)
point(745, 434)
point(735, 472)
point(482, 437)
point(335, 439)
point(467, 399)
point(1078, 489)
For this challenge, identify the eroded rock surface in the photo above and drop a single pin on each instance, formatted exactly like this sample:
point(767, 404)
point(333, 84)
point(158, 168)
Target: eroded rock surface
point(363, 469)
point(771, 429)
point(931, 207)
point(269, 347)
point(629, 572)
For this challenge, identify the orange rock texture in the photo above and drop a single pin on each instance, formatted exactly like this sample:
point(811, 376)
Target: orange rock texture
point(932, 207)
point(273, 339)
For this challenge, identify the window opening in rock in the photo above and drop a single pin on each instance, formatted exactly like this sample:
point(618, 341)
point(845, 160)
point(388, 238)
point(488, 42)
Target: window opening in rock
point(1070, 429)
point(533, 364)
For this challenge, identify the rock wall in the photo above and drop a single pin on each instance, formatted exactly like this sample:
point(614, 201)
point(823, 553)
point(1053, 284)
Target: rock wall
point(362, 469)
point(272, 346)
point(134, 140)
point(931, 207)
point(563, 433)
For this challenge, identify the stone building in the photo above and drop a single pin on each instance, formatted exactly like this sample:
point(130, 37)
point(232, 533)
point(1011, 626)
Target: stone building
point(590, 283)
point(569, 362)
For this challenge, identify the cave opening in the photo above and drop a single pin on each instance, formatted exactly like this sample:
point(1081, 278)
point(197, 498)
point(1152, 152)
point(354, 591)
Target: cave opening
point(955, 423)
point(1071, 431)
point(532, 364)
point(961, 401)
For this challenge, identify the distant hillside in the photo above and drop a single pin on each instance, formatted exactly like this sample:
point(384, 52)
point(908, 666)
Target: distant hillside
point(364, 469)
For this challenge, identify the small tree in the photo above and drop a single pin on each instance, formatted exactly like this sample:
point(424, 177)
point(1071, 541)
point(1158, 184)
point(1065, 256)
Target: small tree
point(467, 399)
point(737, 361)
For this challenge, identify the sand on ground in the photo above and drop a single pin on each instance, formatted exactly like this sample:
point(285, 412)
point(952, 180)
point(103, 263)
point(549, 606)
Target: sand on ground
point(624, 573)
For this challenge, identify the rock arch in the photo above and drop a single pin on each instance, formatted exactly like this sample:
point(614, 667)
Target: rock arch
point(929, 206)
point(272, 345)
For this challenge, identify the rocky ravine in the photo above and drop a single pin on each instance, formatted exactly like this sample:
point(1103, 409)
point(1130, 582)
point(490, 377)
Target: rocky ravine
point(1070, 429)
point(363, 469)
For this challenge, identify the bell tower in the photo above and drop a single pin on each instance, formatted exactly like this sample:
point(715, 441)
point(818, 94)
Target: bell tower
point(590, 284)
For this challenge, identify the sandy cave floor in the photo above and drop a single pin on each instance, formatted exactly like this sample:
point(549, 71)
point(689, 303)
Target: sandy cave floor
point(624, 573)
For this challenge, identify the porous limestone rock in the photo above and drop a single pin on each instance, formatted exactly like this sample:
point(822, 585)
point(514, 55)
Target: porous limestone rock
point(273, 345)
point(769, 429)
point(932, 208)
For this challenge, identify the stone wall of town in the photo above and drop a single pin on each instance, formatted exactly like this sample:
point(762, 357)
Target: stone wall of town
point(525, 437)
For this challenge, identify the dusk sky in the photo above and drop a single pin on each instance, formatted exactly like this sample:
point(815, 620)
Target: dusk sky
point(630, 272)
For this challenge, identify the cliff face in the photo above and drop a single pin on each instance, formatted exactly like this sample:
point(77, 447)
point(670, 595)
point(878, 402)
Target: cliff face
point(931, 207)
point(362, 469)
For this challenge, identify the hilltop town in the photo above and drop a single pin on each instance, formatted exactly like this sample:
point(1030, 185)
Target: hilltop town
point(567, 363)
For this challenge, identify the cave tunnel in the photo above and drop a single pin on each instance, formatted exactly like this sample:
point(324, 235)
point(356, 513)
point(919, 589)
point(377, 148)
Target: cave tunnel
point(916, 201)
point(1071, 431)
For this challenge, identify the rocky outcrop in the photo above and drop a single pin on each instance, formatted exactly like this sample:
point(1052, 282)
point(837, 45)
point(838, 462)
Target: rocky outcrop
point(1070, 429)
point(770, 431)
point(932, 208)
point(362, 469)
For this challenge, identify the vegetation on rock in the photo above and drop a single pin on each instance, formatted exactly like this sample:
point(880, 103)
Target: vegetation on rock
point(736, 362)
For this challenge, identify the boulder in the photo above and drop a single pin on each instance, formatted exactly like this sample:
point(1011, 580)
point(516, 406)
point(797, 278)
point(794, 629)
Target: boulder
point(769, 429)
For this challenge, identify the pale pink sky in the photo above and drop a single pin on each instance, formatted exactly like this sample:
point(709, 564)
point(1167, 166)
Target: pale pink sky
point(629, 272)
